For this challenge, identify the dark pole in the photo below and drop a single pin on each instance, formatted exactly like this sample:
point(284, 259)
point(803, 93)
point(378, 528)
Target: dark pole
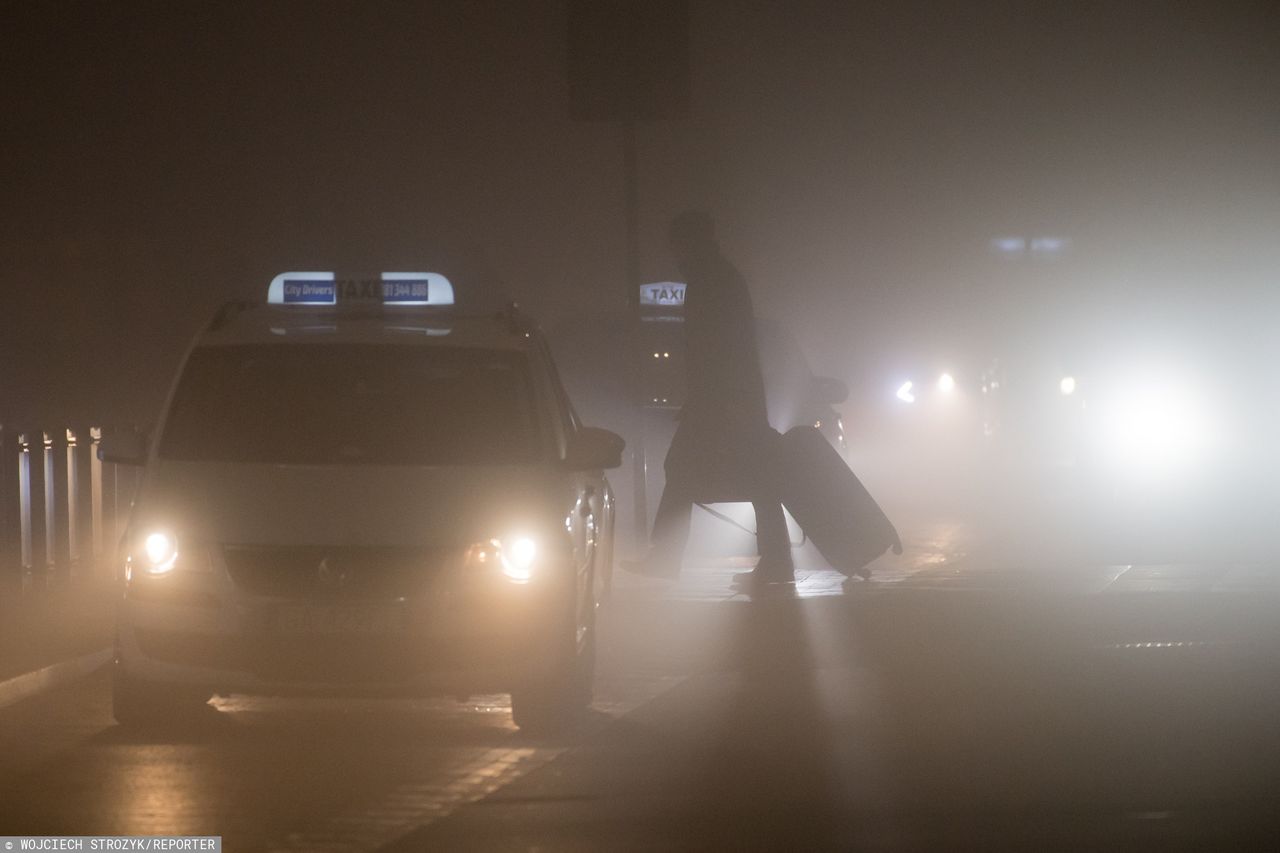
point(631, 205)
point(628, 61)
point(631, 200)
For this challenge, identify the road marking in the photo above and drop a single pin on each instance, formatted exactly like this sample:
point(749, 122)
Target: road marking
point(1171, 644)
point(477, 774)
point(29, 684)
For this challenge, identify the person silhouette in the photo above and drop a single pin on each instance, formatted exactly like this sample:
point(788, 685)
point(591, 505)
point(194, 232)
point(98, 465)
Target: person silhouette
point(723, 440)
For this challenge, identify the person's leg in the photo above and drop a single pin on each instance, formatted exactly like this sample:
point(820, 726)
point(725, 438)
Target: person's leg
point(773, 541)
point(671, 526)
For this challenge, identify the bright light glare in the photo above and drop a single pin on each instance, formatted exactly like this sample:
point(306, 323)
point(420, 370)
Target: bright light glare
point(518, 559)
point(904, 393)
point(1067, 386)
point(161, 552)
point(1157, 427)
point(946, 383)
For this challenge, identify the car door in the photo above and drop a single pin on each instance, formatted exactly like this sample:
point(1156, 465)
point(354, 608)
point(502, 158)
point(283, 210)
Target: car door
point(589, 507)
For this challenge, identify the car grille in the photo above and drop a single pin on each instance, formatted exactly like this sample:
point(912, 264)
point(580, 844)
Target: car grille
point(348, 573)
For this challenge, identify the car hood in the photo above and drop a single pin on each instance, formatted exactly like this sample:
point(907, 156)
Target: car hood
point(348, 505)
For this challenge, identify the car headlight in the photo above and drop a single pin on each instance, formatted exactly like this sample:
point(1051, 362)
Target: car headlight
point(514, 557)
point(946, 383)
point(904, 392)
point(1067, 386)
point(158, 552)
point(1157, 426)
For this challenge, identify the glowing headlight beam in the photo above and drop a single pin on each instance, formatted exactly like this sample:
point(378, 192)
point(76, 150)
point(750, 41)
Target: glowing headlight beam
point(517, 558)
point(514, 557)
point(1158, 426)
point(523, 551)
point(946, 383)
point(1067, 386)
point(160, 552)
point(904, 392)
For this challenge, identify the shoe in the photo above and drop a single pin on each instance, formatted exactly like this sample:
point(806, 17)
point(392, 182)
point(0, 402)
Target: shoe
point(773, 570)
point(853, 583)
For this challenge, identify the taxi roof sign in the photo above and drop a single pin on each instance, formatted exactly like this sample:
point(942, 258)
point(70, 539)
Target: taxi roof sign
point(390, 288)
point(302, 288)
point(663, 294)
point(416, 288)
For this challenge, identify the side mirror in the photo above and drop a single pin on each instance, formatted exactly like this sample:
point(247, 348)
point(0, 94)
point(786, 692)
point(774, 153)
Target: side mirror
point(594, 448)
point(123, 448)
point(830, 390)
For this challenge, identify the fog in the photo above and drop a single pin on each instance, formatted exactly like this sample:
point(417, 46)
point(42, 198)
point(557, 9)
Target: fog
point(1015, 262)
point(859, 156)
point(863, 161)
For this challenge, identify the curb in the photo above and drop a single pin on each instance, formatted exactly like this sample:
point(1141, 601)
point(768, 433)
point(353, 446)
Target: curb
point(24, 686)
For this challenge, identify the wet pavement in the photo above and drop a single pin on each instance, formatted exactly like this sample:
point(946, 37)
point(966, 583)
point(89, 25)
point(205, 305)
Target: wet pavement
point(962, 699)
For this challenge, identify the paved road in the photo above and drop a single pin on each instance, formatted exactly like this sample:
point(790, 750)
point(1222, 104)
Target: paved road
point(963, 699)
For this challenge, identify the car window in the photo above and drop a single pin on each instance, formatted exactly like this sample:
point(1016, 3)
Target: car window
point(327, 404)
point(565, 416)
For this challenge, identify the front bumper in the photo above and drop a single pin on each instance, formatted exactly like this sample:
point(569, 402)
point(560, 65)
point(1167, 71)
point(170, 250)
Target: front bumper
point(460, 636)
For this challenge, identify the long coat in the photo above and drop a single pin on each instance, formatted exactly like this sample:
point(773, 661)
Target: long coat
point(723, 444)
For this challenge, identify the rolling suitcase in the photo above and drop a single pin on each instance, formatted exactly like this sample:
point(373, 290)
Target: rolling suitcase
point(831, 505)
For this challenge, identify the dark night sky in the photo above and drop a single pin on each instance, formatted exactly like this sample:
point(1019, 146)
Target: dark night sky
point(160, 158)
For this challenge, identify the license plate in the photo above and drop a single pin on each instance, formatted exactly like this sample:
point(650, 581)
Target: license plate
point(339, 619)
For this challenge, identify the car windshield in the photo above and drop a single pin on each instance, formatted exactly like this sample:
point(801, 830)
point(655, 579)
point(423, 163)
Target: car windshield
point(329, 404)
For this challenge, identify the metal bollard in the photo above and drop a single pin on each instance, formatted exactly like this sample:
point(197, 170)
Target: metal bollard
point(7, 528)
point(117, 516)
point(95, 495)
point(73, 501)
point(50, 506)
point(24, 502)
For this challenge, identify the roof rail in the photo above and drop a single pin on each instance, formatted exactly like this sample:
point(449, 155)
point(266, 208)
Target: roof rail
point(227, 312)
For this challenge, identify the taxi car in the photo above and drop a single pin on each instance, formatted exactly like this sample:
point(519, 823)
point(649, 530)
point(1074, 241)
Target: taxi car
point(357, 488)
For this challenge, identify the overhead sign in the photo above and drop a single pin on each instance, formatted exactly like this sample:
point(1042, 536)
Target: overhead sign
point(663, 294)
point(1008, 245)
point(1050, 245)
point(389, 288)
point(1043, 247)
